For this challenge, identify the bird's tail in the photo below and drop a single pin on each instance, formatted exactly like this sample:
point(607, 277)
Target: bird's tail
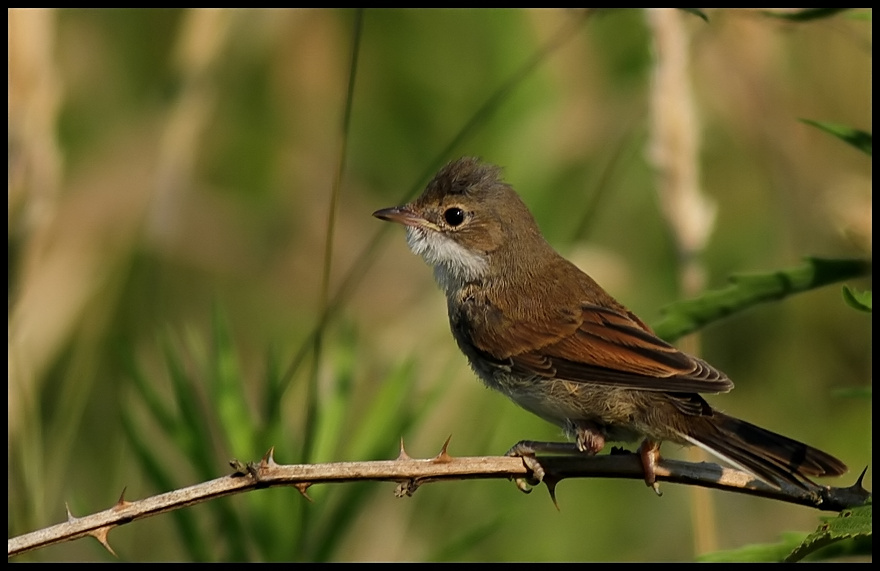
point(768, 455)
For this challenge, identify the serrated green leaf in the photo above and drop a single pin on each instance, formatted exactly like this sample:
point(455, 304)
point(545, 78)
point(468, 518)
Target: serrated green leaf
point(850, 523)
point(855, 137)
point(860, 300)
point(758, 552)
point(686, 316)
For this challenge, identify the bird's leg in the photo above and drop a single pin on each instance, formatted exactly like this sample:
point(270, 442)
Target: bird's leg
point(589, 439)
point(649, 452)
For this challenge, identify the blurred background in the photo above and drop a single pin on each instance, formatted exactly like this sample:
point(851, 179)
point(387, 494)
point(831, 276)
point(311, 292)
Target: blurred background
point(171, 179)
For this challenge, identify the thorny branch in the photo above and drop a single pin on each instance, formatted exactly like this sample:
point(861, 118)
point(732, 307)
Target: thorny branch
point(411, 473)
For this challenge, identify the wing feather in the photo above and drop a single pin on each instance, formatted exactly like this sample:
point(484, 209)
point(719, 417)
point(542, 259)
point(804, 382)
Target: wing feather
point(601, 345)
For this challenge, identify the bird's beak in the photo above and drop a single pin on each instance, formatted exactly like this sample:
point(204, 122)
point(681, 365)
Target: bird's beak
point(403, 215)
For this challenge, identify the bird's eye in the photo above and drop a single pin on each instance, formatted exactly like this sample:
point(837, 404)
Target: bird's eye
point(453, 216)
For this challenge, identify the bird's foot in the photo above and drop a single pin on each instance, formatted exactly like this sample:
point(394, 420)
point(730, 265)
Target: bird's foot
point(526, 449)
point(589, 439)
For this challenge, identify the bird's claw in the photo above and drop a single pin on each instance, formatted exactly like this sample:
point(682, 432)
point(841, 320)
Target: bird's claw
point(536, 475)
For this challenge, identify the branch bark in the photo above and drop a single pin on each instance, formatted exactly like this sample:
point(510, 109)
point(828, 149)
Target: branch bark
point(411, 473)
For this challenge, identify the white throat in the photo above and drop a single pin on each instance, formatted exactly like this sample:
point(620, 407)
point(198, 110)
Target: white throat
point(454, 265)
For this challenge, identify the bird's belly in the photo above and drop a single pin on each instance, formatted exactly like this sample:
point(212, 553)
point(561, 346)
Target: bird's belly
point(617, 412)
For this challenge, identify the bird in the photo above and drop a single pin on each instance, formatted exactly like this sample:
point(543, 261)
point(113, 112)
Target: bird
point(539, 330)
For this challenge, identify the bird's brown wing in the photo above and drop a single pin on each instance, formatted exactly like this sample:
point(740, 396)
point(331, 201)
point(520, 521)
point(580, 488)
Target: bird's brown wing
point(605, 346)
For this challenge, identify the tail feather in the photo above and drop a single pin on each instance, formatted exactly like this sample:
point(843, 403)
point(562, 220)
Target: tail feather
point(768, 455)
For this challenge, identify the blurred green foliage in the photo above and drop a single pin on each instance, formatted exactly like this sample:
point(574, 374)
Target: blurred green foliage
point(170, 174)
point(846, 535)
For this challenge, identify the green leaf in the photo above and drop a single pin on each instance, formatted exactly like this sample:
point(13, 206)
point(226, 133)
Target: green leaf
point(192, 436)
point(187, 424)
point(852, 524)
point(336, 400)
point(849, 524)
point(225, 386)
point(686, 316)
point(759, 552)
point(860, 300)
point(385, 419)
point(162, 478)
point(150, 398)
point(858, 139)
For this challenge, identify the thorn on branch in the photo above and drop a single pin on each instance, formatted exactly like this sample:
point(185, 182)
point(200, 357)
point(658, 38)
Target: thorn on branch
point(443, 456)
point(858, 485)
point(551, 482)
point(121, 503)
point(852, 495)
point(253, 468)
point(403, 455)
point(302, 487)
point(415, 473)
point(101, 535)
point(268, 460)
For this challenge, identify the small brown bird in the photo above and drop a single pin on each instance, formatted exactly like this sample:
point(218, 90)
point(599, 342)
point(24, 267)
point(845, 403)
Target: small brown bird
point(541, 331)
